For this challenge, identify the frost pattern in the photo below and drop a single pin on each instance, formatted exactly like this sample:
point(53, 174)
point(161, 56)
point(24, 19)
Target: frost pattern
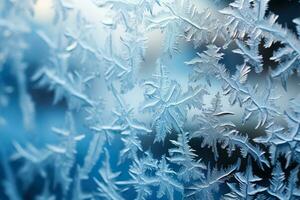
point(93, 67)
